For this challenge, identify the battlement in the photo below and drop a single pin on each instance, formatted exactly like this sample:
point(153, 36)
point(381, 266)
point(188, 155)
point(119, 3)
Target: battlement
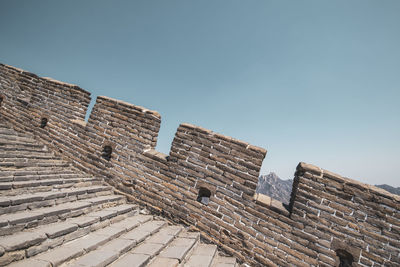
point(207, 180)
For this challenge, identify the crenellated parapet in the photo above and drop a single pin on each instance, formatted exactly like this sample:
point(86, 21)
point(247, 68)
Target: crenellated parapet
point(207, 180)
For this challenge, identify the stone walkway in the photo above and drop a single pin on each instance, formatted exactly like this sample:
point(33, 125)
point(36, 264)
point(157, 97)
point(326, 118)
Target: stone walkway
point(51, 214)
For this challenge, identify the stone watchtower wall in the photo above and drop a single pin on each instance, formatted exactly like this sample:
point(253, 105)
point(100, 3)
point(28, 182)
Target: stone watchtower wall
point(330, 219)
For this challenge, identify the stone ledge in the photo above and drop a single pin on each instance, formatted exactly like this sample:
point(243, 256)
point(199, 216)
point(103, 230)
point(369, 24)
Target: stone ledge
point(79, 122)
point(153, 154)
point(305, 167)
point(129, 105)
point(224, 137)
point(270, 203)
point(47, 79)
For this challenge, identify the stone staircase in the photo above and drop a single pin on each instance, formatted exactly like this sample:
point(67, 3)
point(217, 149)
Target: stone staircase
point(52, 214)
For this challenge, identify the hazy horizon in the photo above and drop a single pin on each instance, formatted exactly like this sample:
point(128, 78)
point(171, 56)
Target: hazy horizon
point(311, 81)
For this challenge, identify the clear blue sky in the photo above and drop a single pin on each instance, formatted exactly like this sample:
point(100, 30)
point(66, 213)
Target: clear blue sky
point(314, 81)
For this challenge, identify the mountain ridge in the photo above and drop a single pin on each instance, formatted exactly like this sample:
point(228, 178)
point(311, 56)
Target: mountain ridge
point(272, 185)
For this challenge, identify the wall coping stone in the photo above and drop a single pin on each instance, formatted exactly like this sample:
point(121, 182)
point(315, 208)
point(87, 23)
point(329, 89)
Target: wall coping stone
point(305, 167)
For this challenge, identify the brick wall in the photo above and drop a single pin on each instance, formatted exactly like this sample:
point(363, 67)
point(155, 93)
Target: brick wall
point(328, 215)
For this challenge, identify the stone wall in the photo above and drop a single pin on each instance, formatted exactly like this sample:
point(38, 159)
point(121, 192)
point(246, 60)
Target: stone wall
point(208, 180)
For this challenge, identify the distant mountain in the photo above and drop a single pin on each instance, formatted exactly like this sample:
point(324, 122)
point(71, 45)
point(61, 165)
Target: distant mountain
point(390, 189)
point(271, 185)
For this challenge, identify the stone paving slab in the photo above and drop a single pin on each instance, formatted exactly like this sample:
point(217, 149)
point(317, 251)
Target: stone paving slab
point(59, 209)
point(60, 254)
point(110, 232)
point(178, 248)
point(81, 204)
point(205, 249)
point(21, 240)
point(89, 242)
point(164, 262)
point(221, 261)
point(52, 195)
point(126, 224)
point(84, 220)
point(105, 199)
point(202, 256)
point(152, 226)
point(183, 242)
point(124, 208)
point(151, 249)
point(199, 261)
point(140, 218)
point(171, 230)
point(119, 245)
point(103, 214)
point(27, 216)
point(57, 229)
point(136, 235)
point(160, 238)
point(97, 258)
point(20, 217)
point(26, 198)
point(131, 260)
point(30, 263)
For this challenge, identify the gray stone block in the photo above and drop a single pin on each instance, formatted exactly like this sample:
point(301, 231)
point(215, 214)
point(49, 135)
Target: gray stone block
point(160, 238)
point(103, 214)
point(178, 248)
point(97, 258)
point(84, 221)
point(60, 255)
point(131, 260)
point(151, 249)
point(136, 235)
point(89, 242)
point(119, 245)
point(21, 240)
point(31, 262)
point(22, 217)
point(164, 262)
point(58, 229)
point(199, 261)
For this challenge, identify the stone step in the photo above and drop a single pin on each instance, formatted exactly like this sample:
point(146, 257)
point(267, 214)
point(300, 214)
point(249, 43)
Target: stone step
point(36, 177)
point(86, 249)
point(17, 155)
point(31, 201)
point(112, 250)
point(201, 256)
point(32, 160)
point(32, 163)
point(5, 138)
point(23, 147)
point(223, 261)
point(52, 214)
point(149, 248)
point(39, 171)
point(100, 234)
point(12, 132)
point(10, 143)
point(10, 223)
point(4, 130)
point(177, 250)
point(9, 131)
point(41, 238)
point(68, 183)
point(45, 182)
